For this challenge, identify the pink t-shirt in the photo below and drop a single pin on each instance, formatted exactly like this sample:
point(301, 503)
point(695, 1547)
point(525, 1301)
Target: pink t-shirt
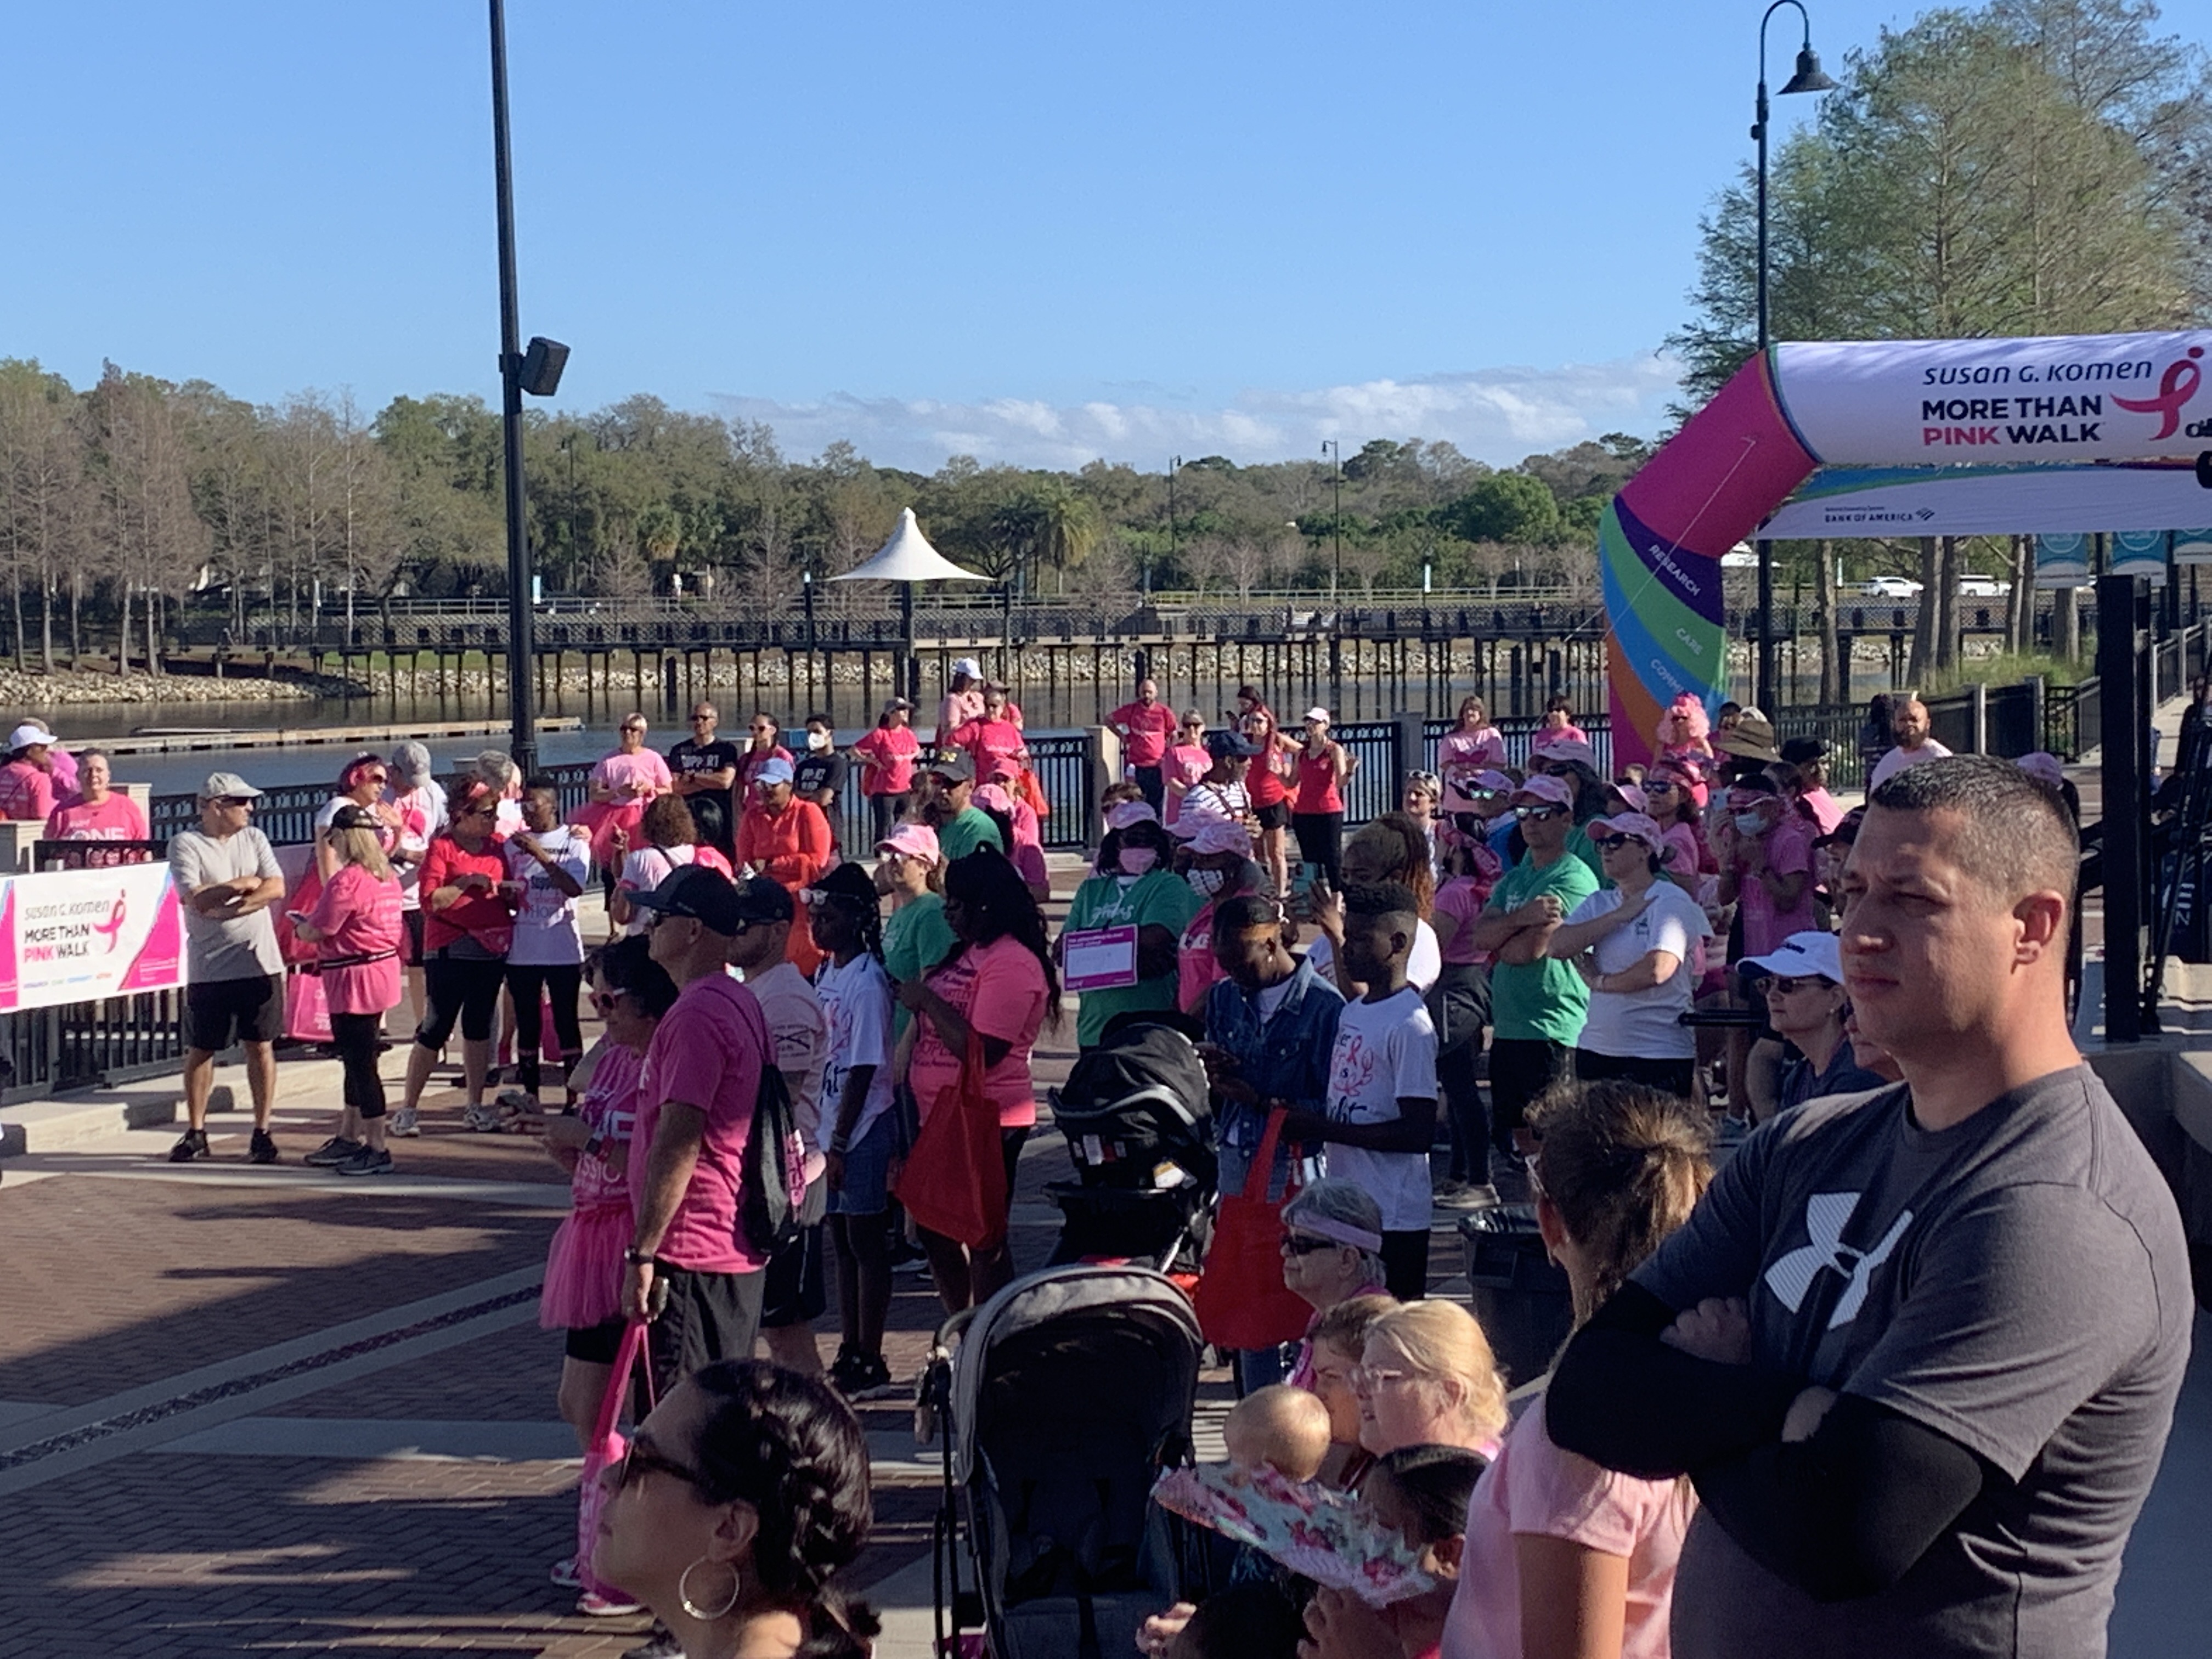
point(1144, 731)
point(958, 708)
point(707, 1053)
point(1461, 898)
point(359, 915)
point(1462, 753)
point(116, 818)
point(1680, 852)
point(1532, 1489)
point(1185, 764)
point(610, 1108)
point(625, 773)
point(1197, 969)
point(999, 990)
point(989, 742)
point(27, 794)
point(1788, 849)
point(894, 749)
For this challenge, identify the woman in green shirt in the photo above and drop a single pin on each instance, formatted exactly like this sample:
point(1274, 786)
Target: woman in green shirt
point(1135, 888)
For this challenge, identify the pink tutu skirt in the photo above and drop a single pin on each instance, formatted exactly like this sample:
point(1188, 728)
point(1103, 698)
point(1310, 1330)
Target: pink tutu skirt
point(583, 1270)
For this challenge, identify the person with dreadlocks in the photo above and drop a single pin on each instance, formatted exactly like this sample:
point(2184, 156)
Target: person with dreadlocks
point(860, 1131)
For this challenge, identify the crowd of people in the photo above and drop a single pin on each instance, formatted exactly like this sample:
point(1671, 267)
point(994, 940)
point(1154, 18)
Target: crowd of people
point(1880, 1309)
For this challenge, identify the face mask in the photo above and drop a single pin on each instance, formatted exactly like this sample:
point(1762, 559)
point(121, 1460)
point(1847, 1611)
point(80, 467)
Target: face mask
point(1205, 882)
point(817, 739)
point(1751, 823)
point(1136, 861)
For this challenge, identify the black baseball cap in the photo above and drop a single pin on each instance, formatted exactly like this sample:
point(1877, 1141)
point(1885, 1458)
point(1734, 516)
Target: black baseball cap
point(1229, 745)
point(850, 882)
point(707, 895)
point(955, 764)
point(1798, 751)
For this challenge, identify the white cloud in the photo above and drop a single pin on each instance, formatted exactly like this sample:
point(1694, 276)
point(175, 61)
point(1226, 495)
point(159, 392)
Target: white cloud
point(1494, 415)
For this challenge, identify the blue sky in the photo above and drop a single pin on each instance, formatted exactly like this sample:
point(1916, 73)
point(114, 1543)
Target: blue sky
point(1034, 233)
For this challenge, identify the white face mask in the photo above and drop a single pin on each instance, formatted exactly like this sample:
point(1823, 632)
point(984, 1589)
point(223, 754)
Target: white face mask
point(1136, 861)
point(818, 739)
point(1751, 823)
point(1205, 882)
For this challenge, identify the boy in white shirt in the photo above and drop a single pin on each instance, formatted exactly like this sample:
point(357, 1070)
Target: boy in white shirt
point(1381, 1110)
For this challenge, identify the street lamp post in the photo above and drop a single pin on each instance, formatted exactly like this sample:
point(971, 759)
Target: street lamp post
point(1175, 465)
point(1808, 78)
point(1335, 447)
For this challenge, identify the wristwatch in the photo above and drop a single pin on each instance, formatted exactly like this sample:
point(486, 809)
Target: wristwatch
point(637, 1258)
point(594, 1147)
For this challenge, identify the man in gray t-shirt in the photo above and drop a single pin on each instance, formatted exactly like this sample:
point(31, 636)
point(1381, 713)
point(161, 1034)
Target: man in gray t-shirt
point(227, 879)
point(1918, 1349)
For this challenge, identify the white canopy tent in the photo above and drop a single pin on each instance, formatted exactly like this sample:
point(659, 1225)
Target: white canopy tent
point(908, 558)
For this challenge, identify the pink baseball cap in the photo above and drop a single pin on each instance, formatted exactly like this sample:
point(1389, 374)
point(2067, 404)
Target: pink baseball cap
point(1551, 791)
point(1566, 749)
point(996, 797)
point(1006, 767)
point(1636, 826)
point(914, 841)
point(1220, 836)
point(1124, 813)
point(1633, 795)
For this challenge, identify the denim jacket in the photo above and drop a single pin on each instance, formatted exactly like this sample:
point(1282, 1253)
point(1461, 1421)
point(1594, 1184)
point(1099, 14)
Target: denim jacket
point(1285, 1057)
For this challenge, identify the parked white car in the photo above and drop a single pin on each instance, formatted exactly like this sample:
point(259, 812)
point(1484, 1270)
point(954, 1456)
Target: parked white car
point(1892, 588)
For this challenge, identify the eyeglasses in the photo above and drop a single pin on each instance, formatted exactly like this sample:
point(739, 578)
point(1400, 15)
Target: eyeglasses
point(642, 1459)
point(1365, 1379)
point(1537, 814)
point(1298, 1244)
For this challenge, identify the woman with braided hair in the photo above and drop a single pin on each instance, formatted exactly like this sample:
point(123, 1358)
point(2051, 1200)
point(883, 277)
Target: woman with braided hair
point(744, 1493)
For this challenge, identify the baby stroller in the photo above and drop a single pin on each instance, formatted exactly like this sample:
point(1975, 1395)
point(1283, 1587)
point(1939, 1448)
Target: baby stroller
point(1059, 1400)
point(1139, 1127)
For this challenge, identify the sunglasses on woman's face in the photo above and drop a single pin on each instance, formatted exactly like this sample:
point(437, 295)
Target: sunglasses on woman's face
point(603, 1002)
point(1300, 1244)
point(1606, 843)
point(1527, 814)
point(1781, 986)
point(642, 1459)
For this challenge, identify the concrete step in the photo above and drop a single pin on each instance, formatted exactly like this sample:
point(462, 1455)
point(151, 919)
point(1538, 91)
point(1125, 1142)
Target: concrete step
point(47, 1126)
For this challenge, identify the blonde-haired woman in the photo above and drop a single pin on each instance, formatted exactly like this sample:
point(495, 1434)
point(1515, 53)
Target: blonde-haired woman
point(357, 930)
point(1563, 1558)
point(1427, 1377)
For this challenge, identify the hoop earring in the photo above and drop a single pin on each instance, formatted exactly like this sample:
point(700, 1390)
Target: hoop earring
point(706, 1615)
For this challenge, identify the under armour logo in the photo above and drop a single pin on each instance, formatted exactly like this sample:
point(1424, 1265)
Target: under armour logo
point(1826, 1214)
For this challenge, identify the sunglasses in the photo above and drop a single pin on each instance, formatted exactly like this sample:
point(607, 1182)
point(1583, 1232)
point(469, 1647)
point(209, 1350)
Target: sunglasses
point(1659, 787)
point(603, 1002)
point(232, 801)
point(1780, 986)
point(1527, 814)
point(1298, 1244)
point(642, 1459)
point(1606, 843)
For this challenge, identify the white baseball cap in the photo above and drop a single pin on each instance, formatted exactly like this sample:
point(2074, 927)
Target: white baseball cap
point(24, 736)
point(969, 667)
point(1804, 954)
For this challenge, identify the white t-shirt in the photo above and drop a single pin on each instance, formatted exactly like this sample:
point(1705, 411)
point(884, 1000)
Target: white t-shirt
point(644, 869)
point(1643, 1025)
point(1424, 963)
point(548, 928)
point(1385, 1052)
point(856, 1004)
point(797, 1027)
point(1897, 759)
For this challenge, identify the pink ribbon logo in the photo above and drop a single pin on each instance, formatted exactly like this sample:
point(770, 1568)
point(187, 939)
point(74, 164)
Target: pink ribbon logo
point(112, 927)
point(2175, 387)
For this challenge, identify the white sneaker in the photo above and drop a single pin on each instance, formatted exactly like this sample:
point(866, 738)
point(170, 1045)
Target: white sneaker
point(403, 1122)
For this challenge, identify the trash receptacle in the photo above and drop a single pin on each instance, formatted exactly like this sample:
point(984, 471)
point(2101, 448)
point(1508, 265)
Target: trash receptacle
point(1522, 1300)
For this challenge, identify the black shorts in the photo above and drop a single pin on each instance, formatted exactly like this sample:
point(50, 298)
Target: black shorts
point(413, 955)
point(707, 1317)
point(220, 1012)
point(595, 1345)
point(1276, 814)
point(793, 1292)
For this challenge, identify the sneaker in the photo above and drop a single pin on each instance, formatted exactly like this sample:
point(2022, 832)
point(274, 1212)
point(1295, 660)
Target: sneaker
point(875, 1381)
point(517, 1100)
point(593, 1605)
point(262, 1149)
point(404, 1122)
point(1464, 1195)
point(331, 1153)
point(484, 1120)
point(365, 1162)
point(564, 1575)
point(658, 1645)
point(191, 1144)
point(847, 1373)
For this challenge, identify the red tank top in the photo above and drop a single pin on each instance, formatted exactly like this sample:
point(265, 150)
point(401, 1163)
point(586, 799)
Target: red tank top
point(1261, 781)
point(1317, 791)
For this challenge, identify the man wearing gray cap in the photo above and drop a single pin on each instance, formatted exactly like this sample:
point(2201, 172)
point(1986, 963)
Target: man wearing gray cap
point(226, 876)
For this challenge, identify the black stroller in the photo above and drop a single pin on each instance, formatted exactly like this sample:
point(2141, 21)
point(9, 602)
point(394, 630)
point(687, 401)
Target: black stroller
point(1060, 1399)
point(1139, 1127)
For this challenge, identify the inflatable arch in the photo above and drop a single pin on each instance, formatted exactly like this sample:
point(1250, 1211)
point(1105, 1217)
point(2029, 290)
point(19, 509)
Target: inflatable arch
point(1892, 403)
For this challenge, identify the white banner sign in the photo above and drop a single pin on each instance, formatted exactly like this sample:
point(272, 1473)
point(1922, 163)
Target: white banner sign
point(2097, 396)
point(1991, 501)
point(78, 935)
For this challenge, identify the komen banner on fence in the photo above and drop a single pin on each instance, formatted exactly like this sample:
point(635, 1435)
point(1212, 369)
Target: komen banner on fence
point(1863, 403)
point(79, 935)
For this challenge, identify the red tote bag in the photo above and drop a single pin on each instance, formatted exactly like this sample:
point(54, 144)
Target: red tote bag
point(1242, 1301)
point(955, 1179)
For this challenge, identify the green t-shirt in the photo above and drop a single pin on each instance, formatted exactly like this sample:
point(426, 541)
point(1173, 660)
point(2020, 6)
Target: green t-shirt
point(1158, 898)
point(916, 937)
point(972, 829)
point(1580, 846)
point(1540, 1001)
